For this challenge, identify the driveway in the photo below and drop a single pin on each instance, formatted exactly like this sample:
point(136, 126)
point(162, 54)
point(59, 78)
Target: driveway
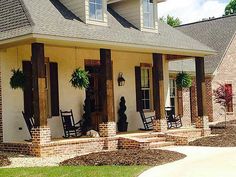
point(200, 162)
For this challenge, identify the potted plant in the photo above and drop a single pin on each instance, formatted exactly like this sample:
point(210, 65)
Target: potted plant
point(17, 80)
point(183, 80)
point(122, 122)
point(80, 78)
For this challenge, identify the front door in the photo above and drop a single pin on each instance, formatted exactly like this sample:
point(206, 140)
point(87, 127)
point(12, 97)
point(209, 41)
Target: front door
point(93, 93)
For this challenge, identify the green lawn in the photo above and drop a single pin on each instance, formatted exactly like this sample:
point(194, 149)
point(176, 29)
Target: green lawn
point(95, 171)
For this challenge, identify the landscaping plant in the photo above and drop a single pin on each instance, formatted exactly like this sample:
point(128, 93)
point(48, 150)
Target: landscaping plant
point(17, 79)
point(122, 123)
point(80, 78)
point(223, 96)
point(183, 80)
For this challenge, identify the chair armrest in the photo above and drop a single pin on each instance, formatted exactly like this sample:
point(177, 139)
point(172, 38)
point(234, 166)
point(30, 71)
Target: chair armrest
point(151, 117)
point(79, 123)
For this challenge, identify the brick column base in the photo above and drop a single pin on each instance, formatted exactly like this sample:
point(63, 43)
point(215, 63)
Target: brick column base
point(202, 122)
point(107, 129)
point(160, 125)
point(40, 136)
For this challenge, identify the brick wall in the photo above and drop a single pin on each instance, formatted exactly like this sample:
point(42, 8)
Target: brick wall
point(226, 73)
point(186, 119)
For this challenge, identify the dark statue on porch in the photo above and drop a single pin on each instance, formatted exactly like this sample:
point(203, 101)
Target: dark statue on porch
point(122, 124)
point(86, 125)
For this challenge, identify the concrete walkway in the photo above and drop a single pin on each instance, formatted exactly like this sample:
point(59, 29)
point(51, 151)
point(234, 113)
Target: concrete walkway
point(200, 162)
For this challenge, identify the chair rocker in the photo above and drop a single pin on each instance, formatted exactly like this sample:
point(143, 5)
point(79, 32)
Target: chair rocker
point(173, 121)
point(147, 121)
point(71, 129)
point(29, 120)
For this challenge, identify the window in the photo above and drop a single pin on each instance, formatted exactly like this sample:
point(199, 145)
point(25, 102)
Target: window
point(145, 88)
point(96, 9)
point(229, 91)
point(172, 92)
point(148, 13)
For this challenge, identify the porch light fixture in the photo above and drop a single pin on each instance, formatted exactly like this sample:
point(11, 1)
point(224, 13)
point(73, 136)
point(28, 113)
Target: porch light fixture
point(121, 80)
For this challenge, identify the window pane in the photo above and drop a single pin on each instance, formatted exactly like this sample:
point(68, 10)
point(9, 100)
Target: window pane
point(92, 10)
point(95, 9)
point(147, 95)
point(99, 11)
point(147, 104)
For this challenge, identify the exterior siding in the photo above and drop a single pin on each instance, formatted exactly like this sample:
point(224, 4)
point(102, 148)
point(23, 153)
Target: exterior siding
point(130, 10)
point(77, 7)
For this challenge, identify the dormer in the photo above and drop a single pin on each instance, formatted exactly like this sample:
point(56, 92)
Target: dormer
point(143, 14)
point(89, 11)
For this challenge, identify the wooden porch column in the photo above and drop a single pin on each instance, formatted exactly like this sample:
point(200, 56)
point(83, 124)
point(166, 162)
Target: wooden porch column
point(201, 93)
point(39, 81)
point(108, 128)
point(159, 92)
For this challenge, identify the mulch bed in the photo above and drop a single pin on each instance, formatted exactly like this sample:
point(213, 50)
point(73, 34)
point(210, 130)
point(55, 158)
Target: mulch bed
point(221, 136)
point(125, 158)
point(4, 161)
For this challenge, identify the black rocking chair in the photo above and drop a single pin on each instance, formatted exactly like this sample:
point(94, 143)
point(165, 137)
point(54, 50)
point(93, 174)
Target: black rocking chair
point(29, 120)
point(71, 129)
point(147, 121)
point(173, 121)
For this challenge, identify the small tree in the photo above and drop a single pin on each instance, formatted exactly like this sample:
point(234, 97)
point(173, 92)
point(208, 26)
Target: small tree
point(223, 96)
point(230, 8)
point(170, 20)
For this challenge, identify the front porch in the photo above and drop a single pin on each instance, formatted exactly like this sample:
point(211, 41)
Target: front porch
point(111, 63)
point(84, 145)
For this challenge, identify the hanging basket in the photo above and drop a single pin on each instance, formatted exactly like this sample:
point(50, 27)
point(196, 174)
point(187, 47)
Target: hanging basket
point(183, 80)
point(80, 79)
point(17, 80)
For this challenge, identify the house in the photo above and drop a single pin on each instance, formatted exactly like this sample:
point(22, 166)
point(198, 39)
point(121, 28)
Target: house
point(51, 38)
point(219, 34)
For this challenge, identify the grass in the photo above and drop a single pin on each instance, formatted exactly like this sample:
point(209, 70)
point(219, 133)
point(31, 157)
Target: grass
point(82, 171)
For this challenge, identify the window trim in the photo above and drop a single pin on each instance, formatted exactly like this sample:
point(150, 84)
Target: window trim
point(96, 19)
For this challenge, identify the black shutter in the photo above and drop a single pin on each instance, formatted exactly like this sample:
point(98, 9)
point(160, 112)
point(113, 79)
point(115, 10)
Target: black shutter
point(139, 106)
point(28, 92)
point(54, 89)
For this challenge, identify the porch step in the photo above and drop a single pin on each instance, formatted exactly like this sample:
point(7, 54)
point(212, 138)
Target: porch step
point(154, 145)
point(155, 139)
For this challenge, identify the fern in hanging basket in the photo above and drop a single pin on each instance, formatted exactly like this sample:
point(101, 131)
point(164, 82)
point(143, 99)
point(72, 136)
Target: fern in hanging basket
point(17, 79)
point(183, 80)
point(80, 79)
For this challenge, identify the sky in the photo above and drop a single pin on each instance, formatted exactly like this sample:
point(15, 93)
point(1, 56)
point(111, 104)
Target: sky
point(192, 10)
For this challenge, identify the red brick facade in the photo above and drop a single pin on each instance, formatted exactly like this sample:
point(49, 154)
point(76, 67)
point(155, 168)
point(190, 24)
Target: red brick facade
point(189, 97)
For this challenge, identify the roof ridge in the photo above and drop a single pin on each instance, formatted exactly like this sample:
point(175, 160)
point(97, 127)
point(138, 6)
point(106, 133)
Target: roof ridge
point(207, 20)
point(27, 13)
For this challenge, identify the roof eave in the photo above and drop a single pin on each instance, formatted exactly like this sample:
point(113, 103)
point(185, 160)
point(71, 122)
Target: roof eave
point(69, 41)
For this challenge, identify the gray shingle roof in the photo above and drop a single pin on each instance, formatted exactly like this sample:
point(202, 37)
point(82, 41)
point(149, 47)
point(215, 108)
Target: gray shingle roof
point(215, 33)
point(50, 17)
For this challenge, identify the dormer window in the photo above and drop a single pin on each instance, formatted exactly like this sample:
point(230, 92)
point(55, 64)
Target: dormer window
point(96, 10)
point(148, 13)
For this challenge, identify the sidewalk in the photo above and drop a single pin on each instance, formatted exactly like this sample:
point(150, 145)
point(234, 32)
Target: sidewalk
point(200, 162)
